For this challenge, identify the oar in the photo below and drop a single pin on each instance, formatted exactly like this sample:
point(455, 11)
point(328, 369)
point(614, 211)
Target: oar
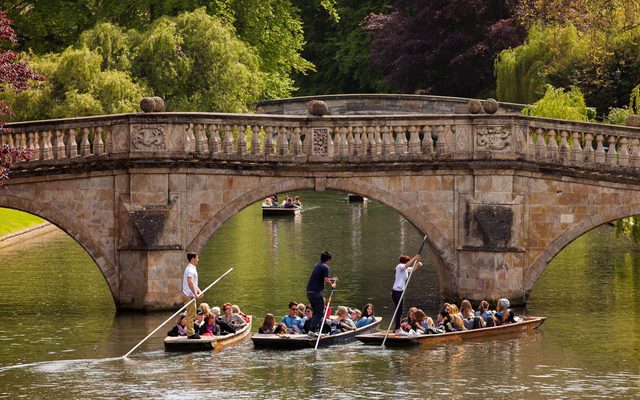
point(424, 240)
point(324, 316)
point(176, 313)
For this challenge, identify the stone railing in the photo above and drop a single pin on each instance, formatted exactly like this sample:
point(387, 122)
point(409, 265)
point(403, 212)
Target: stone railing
point(343, 139)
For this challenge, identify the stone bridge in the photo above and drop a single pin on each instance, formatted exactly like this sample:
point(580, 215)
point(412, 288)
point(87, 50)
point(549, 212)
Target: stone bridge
point(498, 195)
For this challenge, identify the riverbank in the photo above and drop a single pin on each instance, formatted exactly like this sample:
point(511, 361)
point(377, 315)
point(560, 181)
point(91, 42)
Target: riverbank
point(12, 221)
point(26, 233)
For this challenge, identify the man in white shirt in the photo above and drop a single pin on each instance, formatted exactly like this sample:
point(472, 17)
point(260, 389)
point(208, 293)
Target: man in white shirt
point(190, 291)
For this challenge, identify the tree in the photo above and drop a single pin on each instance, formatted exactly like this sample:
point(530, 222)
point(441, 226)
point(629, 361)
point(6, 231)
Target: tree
point(556, 103)
point(443, 47)
point(15, 76)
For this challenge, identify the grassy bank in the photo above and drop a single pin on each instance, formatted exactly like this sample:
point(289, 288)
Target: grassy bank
point(13, 220)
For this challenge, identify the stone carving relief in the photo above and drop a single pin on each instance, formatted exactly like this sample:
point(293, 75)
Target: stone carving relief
point(494, 223)
point(320, 141)
point(493, 137)
point(148, 138)
point(491, 226)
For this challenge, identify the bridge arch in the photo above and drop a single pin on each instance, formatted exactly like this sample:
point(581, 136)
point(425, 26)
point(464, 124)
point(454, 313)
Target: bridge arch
point(71, 228)
point(558, 244)
point(436, 240)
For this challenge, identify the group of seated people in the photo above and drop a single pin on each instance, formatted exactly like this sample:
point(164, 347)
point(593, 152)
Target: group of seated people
point(288, 202)
point(450, 319)
point(298, 320)
point(209, 322)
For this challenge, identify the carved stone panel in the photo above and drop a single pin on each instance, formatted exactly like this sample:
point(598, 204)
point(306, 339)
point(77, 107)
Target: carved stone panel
point(493, 138)
point(148, 138)
point(491, 226)
point(320, 142)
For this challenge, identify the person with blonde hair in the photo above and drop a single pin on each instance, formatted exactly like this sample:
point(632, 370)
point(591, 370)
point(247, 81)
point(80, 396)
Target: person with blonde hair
point(504, 315)
point(236, 310)
point(342, 322)
point(421, 321)
point(469, 318)
point(456, 318)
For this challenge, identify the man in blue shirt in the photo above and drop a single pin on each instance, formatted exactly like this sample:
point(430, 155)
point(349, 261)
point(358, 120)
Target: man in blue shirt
point(319, 276)
point(292, 320)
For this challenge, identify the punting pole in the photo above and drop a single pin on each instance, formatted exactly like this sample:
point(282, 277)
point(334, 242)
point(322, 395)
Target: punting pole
point(402, 295)
point(176, 313)
point(324, 317)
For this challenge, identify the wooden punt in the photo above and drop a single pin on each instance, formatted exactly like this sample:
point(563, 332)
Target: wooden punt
point(355, 198)
point(280, 211)
point(181, 343)
point(302, 341)
point(393, 340)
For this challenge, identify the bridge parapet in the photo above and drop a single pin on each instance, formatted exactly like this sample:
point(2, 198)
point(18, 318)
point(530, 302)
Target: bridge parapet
point(342, 139)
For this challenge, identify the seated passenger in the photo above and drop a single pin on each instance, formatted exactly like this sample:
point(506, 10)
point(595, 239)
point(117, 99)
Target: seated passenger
point(355, 316)
point(210, 328)
point(486, 314)
point(305, 321)
point(469, 318)
point(456, 317)
point(301, 308)
point(236, 310)
point(267, 202)
point(504, 315)
point(291, 320)
point(288, 203)
point(422, 322)
point(225, 328)
point(234, 320)
point(445, 319)
point(343, 323)
point(199, 321)
point(367, 316)
point(179, 329)
point(269, 326)
point(297, 202)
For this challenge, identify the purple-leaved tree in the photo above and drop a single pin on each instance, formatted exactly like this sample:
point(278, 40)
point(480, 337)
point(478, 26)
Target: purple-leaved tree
point(14, 75)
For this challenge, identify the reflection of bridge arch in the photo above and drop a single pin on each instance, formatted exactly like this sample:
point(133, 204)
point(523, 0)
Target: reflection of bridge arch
point(72, 228)
point(347, 185)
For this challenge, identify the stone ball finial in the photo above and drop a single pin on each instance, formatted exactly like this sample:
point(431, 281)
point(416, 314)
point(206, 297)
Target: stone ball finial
point(475, 106)
point(317, 107)
point(490, 106)
point(159, 103)
point(633, 120)
point(147, 104)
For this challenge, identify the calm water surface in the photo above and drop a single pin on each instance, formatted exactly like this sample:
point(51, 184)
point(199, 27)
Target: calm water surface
point(60, 336)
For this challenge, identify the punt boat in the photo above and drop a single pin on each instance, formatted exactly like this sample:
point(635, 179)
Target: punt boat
point(280, 211)
point(393, 340)
point(302, 341)
point(181, 343)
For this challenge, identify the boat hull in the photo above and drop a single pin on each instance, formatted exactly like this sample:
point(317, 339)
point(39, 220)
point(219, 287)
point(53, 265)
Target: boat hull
point(279, 211)
point(293, 342)
point(181, 343)
point(393, 340)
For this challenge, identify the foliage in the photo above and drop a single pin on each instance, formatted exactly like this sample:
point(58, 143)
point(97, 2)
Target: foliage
point(110, 42)
point(617, 116)
point(629, 227)
point(549, 51)
point(442, 47)
point(15, 76)
point(340, 50)
point(556, 103)
point(634, 100)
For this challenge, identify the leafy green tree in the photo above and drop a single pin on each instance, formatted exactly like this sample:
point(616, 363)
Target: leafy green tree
point(556, 103)
point(110, 42)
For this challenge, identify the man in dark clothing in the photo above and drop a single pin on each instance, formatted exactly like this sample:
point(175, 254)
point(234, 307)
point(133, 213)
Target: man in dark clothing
point(319, 276)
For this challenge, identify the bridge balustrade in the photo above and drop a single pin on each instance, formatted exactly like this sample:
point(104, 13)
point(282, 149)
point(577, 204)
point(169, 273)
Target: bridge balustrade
point(343, 139)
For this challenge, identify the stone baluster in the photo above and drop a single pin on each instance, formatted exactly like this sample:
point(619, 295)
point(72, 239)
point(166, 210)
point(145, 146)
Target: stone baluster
point(427, 141)
point(47, 151)
point(414, 140)
point(623, 156)
point(283, 143)
point(85, 145)
point(72, 145)
point(336, 141)
point(401, 141)
point(344, 144)
point(296, 142)
point(576, 150)
point(34, 145)
point(441, 146)
point(98, 144)
point(386, 141)
point(350, 140)
point(3, 138)
point(242, 139)
point(634, 157)
point(108, 144)
point(531, 147)
point(552, 147)
point(565, 150)
point(307, 143)
point(378, 137)
point(227, 142)
point(371, 141)
point(215, 147)
point(357, 141)
point(59, 151)
point(588, 152)
point(269, 148)
point(612, 156)
point(19, 142)
point(255, 140)
point(541, 146)
point(201, 139)
point(600, 155)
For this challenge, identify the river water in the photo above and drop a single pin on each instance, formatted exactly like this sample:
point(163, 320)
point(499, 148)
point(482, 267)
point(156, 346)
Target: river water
point(60, 336)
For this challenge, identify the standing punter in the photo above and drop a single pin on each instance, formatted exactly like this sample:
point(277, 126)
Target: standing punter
point(190, 290)
point(319, 276)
